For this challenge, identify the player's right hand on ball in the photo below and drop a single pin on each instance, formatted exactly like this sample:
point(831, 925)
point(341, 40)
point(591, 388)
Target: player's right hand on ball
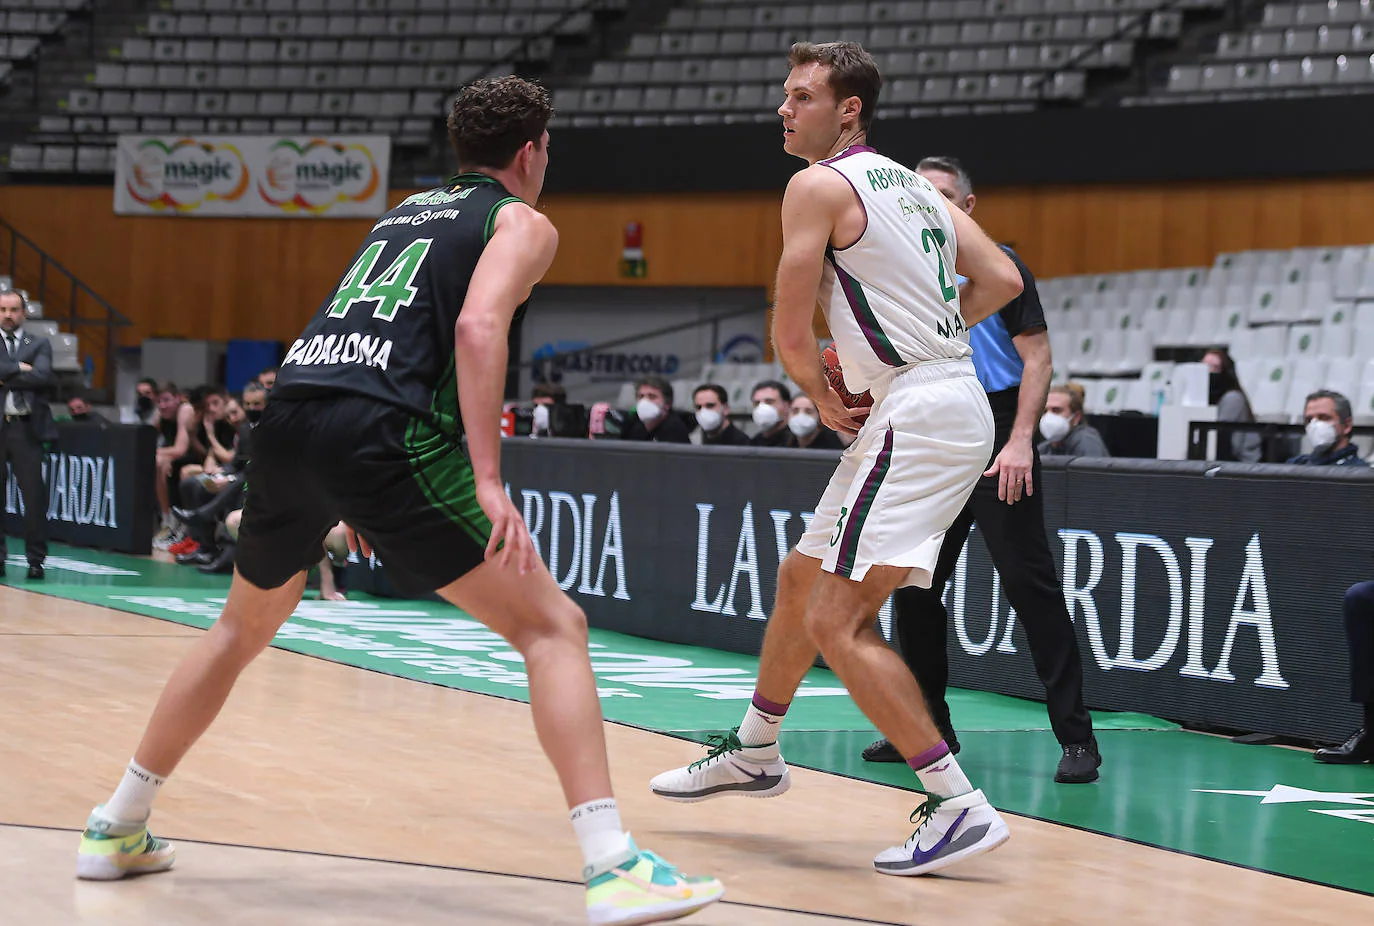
point(510, 544)
point(836, 416)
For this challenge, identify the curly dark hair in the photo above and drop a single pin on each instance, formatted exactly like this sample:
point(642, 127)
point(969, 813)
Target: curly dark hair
point(492, 120)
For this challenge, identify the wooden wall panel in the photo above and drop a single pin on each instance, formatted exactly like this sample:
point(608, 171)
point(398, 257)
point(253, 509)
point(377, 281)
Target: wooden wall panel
point(222, 278)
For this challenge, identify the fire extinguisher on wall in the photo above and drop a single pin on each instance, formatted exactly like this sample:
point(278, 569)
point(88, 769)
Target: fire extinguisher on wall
point(632, 262)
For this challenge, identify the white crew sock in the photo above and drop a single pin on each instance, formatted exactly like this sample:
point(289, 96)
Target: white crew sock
point(132, 801)
point(939, 772)
point(761, 722)
point(599, 832)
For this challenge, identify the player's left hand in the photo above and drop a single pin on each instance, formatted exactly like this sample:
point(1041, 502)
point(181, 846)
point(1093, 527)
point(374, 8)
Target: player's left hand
point(1013, 468)
point(837, 416)
point(510, 544)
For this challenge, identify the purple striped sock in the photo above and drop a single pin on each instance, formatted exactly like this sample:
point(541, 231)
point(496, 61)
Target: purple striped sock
point(768, 707)
point(930, 756)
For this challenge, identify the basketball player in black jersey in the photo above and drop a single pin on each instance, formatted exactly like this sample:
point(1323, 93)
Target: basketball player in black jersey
point(365, 426)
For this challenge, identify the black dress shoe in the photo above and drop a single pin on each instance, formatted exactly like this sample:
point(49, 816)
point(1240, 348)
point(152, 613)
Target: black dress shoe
point(884, 751)
point(1079, 764)
point(1359, 748)
point(222, 564)
point(35, 572)
point(202, 557)
point(191, 517)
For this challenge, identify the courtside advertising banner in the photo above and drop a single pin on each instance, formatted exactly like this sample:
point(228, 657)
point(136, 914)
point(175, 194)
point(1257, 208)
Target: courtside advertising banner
point(1200, 592)
point(100, 492)
point(258, 176)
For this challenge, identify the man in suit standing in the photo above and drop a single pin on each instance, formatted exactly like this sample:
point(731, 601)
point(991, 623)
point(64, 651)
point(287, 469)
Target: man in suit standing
point(26, 423)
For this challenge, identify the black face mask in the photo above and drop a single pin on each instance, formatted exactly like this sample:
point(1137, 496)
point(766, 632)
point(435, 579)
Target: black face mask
point(144, 404)
point(254, 414)
point(85, 416)
point(1216, 388)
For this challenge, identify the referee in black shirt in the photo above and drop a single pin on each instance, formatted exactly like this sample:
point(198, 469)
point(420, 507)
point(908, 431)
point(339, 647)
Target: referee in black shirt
point(1011, 353)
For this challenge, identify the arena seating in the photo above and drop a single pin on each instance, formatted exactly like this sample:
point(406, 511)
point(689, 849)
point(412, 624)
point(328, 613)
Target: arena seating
point(1296, 49)
point(715, 61)
point(294, 66)
point(1295, 321)
point(386, 66)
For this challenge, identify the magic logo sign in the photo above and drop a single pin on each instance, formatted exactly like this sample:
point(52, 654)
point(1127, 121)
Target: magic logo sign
point(184, 174)
point(317, 175)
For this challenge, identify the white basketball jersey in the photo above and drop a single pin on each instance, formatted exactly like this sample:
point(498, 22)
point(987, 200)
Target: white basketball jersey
point(891, 298)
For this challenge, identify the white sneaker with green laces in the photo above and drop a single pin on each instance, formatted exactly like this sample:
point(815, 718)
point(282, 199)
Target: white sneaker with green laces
point(729, 768)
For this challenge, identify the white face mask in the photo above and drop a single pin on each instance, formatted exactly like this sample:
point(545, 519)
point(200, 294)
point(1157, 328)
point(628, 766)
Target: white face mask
point(1054, 427)
point(802, 424)
point(541, 417)
point(648, 410)
point(1322, 434)
point(709, 419)
point(765, 416)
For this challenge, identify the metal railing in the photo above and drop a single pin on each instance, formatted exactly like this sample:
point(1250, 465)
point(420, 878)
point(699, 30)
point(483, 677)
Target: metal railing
point(66, 300)
point(1278, 442)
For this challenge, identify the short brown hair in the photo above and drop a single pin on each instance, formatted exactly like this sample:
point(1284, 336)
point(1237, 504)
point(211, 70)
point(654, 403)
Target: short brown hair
point(492, 120)
point(550, 391)
point(664, 387)
point(853, 72)
point(1076, 395)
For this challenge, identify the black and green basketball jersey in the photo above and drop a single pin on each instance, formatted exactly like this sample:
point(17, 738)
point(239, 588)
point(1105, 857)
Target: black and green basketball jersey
point(387, 329)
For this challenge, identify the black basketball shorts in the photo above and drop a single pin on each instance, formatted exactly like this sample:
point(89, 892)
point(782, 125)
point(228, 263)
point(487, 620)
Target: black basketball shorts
point(403, 484)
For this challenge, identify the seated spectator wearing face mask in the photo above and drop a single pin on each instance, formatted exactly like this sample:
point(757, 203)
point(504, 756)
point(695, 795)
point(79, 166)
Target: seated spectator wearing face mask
point(80, 411)
point(545, 396)
point(145, 401)
point(1066, 434)
point(805, 428)
point(713, 418)
point(772, 407)
point(209, 498)
point(1328, 419)
point(1225, 392)
point(656, 420)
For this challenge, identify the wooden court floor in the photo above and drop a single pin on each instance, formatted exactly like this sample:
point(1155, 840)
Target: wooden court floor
point(330, 795)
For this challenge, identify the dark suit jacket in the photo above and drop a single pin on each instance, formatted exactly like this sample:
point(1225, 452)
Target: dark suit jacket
point(36, 352)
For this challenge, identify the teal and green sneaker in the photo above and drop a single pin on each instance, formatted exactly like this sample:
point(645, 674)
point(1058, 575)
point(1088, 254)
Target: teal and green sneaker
point(109, 852)
point(643, 888)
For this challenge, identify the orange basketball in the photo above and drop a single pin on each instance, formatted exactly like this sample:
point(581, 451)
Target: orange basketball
point(831, 360)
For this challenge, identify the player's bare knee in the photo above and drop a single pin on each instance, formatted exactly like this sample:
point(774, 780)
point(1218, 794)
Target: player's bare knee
point(245, 636)
point(572, 625)
point(565, 624)
point(827, 627)
point(796, 575)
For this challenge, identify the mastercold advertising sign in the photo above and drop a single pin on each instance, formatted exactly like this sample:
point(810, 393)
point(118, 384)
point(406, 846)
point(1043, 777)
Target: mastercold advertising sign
point(261, 176)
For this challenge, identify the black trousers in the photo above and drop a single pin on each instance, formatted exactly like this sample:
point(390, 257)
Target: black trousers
point(24, 453)
point(1359, 629)
point(212, 508)
point(1015, 536)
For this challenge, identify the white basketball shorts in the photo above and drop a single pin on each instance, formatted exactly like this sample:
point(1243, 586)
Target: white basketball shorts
point(905, 479)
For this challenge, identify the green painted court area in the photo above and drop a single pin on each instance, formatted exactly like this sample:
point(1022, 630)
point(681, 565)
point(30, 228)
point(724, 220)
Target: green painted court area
point(1262, 807)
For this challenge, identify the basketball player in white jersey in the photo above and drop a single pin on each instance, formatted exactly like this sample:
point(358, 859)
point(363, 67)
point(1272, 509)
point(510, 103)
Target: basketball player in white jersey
point(879, 247)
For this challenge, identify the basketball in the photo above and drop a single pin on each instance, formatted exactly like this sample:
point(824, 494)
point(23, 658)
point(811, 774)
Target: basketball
point(835, 374)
